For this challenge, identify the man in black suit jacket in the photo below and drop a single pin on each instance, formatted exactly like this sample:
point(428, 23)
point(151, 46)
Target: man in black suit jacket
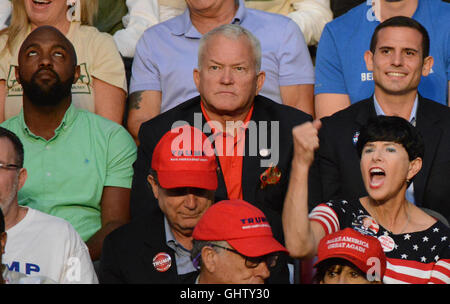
point(132, 254)
point(257, 169)
point(398, 58)
point(157, 249)
point(228, 79)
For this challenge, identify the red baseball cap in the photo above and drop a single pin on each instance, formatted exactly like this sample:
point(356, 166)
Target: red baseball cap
point(241, 224)
point(184, 157)
point(354, 247)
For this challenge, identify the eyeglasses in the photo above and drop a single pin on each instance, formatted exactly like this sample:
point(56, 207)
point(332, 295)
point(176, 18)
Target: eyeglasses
point(9, 166)
point(253, 262)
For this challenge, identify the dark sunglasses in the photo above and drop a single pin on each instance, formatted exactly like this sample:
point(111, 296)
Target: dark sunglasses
point(253, 262)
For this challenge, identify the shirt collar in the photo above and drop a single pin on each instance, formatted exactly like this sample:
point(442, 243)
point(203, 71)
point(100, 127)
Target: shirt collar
point(242, 127)
point(186, 28)
point(240, 14)
point(68, 119)
point(170, 238)
point(412, 117)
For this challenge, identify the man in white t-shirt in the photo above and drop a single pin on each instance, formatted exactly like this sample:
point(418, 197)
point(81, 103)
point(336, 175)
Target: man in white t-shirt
point(12, 277)
point(37, 244)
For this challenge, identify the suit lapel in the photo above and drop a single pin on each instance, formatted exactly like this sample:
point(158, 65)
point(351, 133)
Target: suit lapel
point(366, 111)
point(149, 250)
point(431, 134)
point(221, 192)
point(251, 162)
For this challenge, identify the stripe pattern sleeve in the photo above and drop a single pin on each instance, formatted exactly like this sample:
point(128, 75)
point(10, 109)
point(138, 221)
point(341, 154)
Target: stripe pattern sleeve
point(413, 272)
point(327, 217)
point(441, 272)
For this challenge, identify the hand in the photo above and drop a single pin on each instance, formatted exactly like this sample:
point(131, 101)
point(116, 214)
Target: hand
point(306, 141)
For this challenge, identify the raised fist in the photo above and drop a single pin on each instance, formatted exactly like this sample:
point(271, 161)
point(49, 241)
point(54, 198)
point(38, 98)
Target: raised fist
point(306, 141)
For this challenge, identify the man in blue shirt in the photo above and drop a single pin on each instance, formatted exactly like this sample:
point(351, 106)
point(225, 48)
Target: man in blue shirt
point(342, 77)
point(166, 56)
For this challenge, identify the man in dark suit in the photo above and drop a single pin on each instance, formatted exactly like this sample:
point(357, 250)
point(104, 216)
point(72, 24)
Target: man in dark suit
point(251, 134)
point(252, 141)
point(398, 57)
point(156, 250)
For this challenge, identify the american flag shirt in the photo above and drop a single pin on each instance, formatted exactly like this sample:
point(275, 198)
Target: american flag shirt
point(412, 258)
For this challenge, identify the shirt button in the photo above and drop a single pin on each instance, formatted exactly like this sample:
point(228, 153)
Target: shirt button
point(47, 147)
point(49, 174)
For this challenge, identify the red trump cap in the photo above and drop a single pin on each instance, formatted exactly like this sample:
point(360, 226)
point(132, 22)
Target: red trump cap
point(241, 224)
point(363, 251)
point(184, 157)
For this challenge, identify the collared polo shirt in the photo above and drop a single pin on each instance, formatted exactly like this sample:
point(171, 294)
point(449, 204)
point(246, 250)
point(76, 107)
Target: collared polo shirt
point(166, 55)
point(230, 149)
point(67, 173)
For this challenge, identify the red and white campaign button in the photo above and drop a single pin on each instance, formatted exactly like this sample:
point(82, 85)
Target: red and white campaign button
point(387, 243)
point(162, 262)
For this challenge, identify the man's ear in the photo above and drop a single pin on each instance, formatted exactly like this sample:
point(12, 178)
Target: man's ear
point(3, 238)
point(368, 58)
point(16, 72)
point(209, 259)
point(77, 74)
point(427, 65)
point(196, 75)
point(153, 183)
point(260, 78)
point(23, 175)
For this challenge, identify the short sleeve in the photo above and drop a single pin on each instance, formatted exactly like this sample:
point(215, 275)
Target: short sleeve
point(334, 215)
point(4, 59)
point(294, 58)
point(79, 267)
point(121, 156)
point(326, 217)
point(145, 73)
point(329, 70)
point(3, 72)
point(107, 65)
point(440, 274)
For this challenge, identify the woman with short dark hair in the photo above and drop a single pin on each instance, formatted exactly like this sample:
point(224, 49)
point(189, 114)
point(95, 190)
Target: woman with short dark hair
point(391, 151)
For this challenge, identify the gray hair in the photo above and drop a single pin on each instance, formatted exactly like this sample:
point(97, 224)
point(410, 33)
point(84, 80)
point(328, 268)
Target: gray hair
point(197, 246)
point(232, 31)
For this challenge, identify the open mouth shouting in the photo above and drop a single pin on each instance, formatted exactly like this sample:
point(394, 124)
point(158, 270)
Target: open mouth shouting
point(377, 177)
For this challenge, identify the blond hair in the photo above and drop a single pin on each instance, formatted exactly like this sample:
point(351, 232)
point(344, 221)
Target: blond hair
point(20, 21)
